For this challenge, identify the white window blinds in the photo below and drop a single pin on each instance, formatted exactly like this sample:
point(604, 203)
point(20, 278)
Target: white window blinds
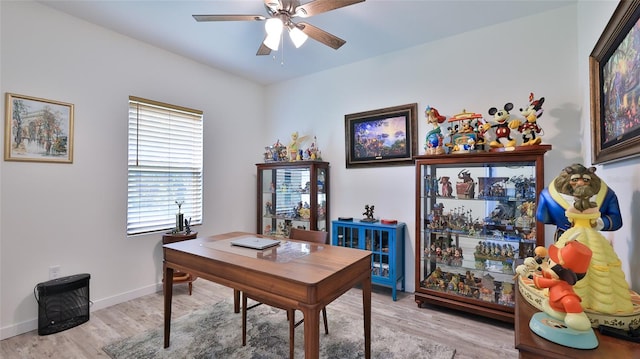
point(164, 165)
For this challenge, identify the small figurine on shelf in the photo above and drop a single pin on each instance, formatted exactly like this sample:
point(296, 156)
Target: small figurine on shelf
point(268, 209)
point(526, 218)
point(276, 152)
point(434, 139)
point(447, 189)
point(463, 136)
point(368, 213)
point(187, 226)
point(502, 126)
point(293, 149)
point(466, 188)
point(313, 153)
point(531, 132)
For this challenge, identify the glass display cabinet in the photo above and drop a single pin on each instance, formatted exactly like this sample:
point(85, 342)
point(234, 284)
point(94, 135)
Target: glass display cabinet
point(292, 194)
point(475, 219)
point(386, 243)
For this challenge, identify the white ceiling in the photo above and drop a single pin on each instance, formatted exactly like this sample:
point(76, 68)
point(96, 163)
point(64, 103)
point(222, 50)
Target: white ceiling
point(370, 28)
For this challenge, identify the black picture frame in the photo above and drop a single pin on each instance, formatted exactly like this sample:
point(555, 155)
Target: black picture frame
point(382, 137)
point(614, 69)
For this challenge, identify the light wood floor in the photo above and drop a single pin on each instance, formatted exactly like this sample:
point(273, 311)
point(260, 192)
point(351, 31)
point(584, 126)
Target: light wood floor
point(471, 336)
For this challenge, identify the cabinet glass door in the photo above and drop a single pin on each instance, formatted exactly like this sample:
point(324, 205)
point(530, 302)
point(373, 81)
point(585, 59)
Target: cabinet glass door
point(377, 241)
point(322, 199)
point(477, 220)
point(292, 194)
point(347, 236)
point(287, 201)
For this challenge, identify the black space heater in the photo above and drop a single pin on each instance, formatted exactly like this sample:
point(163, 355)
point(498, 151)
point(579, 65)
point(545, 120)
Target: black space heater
point(63, 303)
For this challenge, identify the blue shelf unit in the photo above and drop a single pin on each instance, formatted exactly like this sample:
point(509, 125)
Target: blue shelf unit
point(386, 243)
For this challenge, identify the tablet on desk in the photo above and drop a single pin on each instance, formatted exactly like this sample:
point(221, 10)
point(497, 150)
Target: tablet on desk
point(255, 242)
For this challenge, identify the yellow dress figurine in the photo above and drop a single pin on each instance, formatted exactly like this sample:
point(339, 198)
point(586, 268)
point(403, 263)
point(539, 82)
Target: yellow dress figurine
point(604, 288)
point(587, 206)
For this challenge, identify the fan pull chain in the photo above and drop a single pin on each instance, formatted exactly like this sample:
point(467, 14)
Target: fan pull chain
point(281, 51)
point(282, 43)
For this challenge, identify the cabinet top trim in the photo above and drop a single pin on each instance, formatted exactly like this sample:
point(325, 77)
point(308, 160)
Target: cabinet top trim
point(476, 156)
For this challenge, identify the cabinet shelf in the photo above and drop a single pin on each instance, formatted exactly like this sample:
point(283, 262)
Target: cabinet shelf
point(475, 220)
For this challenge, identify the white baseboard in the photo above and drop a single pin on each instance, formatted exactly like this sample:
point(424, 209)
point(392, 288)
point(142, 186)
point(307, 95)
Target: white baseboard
point(29, 325)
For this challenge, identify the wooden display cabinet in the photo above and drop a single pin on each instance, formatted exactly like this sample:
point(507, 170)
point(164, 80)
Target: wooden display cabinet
point(292, 194)
point(475, 220)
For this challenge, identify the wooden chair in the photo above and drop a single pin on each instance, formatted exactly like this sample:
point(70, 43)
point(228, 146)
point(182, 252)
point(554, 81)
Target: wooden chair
point(321, 237)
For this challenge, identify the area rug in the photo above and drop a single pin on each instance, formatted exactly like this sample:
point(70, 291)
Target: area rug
point(216, 333)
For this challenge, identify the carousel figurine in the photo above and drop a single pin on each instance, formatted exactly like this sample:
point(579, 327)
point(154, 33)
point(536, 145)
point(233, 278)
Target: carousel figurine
point(434, 139)
point(464, 136)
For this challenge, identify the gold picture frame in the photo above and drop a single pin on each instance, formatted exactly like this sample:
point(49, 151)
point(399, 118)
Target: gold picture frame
point(38, 130)
point(614, 66)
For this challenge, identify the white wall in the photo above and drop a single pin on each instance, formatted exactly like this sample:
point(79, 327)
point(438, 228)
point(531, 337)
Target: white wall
point(74, 215)
point(472, 71)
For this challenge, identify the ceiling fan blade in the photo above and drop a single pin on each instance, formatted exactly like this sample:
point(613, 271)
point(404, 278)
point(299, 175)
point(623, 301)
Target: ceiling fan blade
point(321, 35)
point(263, 49)
point(319, 6)
point(229, 17)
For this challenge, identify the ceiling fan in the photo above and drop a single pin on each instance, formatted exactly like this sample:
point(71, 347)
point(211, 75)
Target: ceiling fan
point(281, 13)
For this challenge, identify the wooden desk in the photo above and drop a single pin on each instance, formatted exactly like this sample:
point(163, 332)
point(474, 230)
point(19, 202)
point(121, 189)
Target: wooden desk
point(180, 277)
point(305, 277)
point(531, 345)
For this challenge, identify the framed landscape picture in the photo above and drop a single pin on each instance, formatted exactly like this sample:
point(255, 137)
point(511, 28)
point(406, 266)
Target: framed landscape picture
point(38, 130)
point(614, 71)
point(382, 137)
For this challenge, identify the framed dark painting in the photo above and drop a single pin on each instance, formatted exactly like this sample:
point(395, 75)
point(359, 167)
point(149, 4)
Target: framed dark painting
point(614, 72)
point(383, 137)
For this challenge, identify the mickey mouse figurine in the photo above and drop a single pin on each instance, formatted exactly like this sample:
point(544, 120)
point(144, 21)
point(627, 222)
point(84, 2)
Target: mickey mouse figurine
point(502, 127)
point(530, 129)
point(567, 265)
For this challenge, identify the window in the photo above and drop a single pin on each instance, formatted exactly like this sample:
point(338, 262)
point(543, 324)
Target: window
point(164, 165)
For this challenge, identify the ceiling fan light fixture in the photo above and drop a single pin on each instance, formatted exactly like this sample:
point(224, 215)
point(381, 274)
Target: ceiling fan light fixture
point(272, 42)
point(297, 36)
point(273, 26)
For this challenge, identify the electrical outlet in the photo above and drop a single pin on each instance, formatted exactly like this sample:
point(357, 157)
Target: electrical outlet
point(54, 272)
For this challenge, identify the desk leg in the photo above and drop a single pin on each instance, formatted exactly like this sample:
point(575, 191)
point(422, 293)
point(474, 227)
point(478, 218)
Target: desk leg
point(366, 305)
point(168, 294)
point(236, 301)
point(311, 332)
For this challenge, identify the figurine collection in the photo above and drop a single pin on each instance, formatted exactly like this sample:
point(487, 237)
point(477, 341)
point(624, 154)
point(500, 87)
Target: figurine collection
point(470, 132)
point(502, 234)
point(293, 151)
